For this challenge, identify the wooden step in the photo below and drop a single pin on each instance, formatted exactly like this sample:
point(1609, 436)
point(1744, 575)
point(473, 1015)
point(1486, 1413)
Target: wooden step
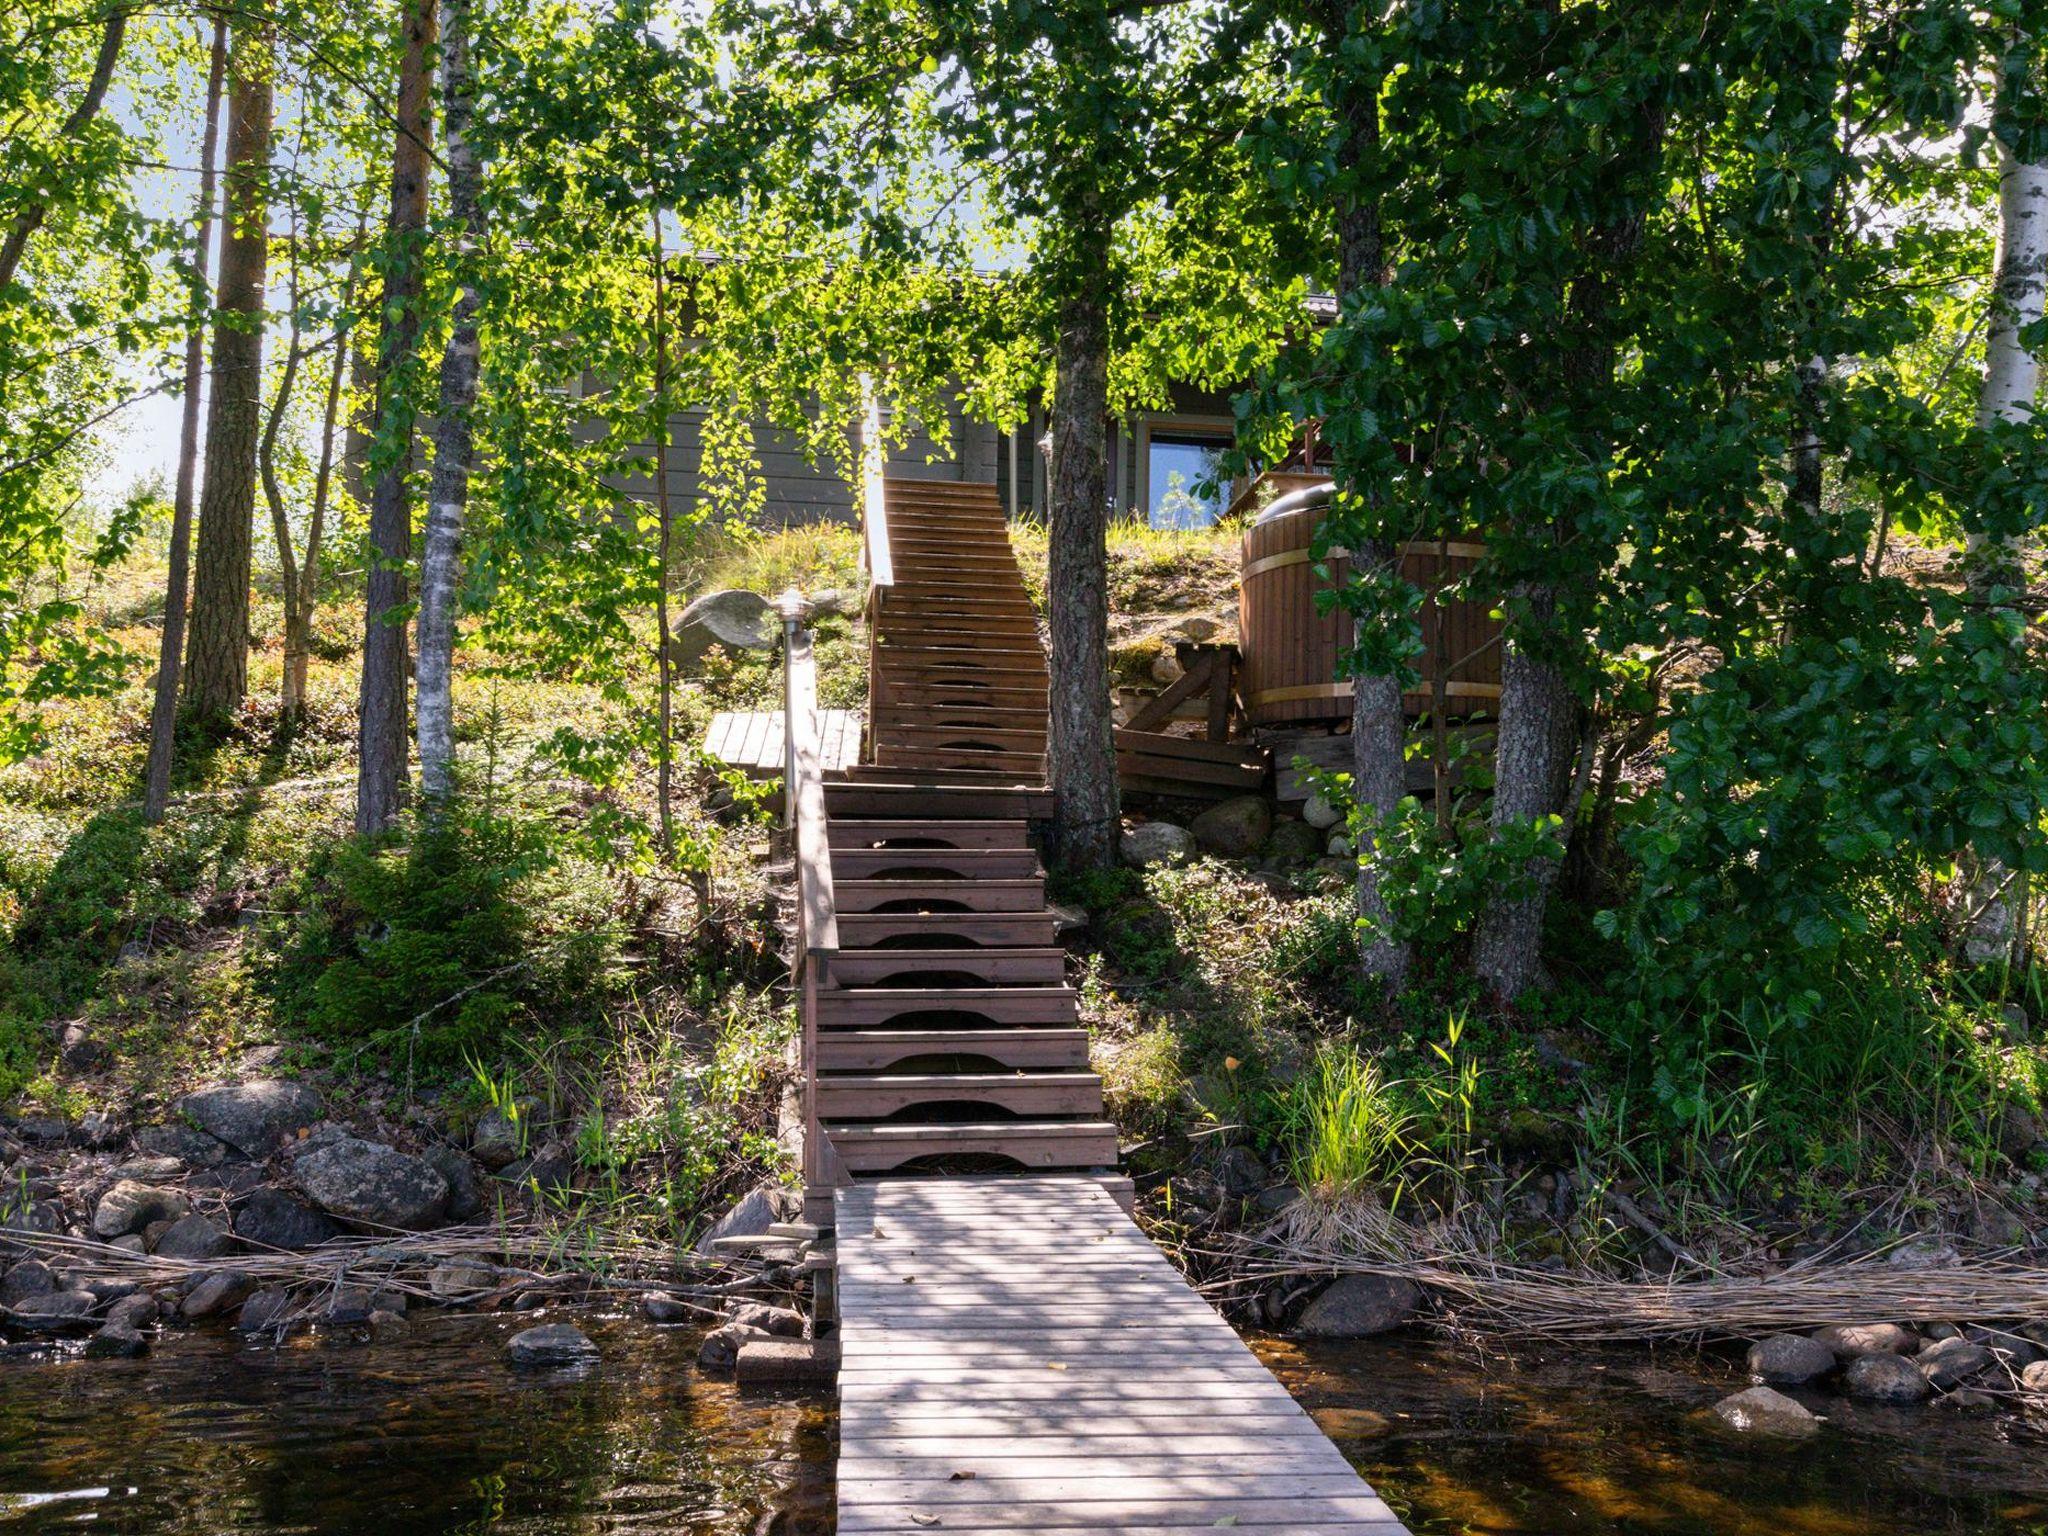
point(1049, 1144)
point(945, 732)
point(877, 1007)
point(916, 757)
point(902, 968)
point(982, 895)
point(873, 1097)
point(924, 693)
point(853, 833)
point(980, 930)
point(867, 865)
point(950, 715)
point(872, 1050)
point(925, 799)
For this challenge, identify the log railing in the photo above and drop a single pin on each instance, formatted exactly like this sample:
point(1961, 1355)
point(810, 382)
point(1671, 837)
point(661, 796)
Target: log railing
point(874, 524)
point(817, 915)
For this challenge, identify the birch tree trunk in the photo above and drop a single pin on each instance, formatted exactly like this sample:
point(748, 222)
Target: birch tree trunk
point(217, 652)
point(30, 218)
point(381, 735)
point(448, 498)
point(163, 715)
point(1994, 896)
point(1081, 753)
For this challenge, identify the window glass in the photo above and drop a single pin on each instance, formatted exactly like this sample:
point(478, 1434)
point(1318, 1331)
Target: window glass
point(1181, 464)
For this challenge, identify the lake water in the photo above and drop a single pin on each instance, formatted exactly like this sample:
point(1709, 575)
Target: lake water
point(433, 1433)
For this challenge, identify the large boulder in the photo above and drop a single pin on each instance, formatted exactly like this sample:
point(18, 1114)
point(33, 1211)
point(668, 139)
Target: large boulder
point(254, 1118)
point(31, 1277)
point(465, 1195)
point(1157, 842)
point(1882, 1378)
point(55, 1311)
point(1762, 1411)
point(372, 1184)
point(751, 1216)
point(1237, 828)
point(192, 1237)
point(1359, 1306)
point(737, 620)
point(131, 1207)
point(182, 1144)
point(551, 1344)
point(1788, 1359)
point(270, 1218)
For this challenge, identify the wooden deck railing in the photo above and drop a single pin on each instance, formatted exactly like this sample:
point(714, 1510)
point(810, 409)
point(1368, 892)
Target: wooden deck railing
point(874, 524)
point(803, 803)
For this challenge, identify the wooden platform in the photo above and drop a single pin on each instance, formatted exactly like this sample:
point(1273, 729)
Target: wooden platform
point(751, 740)
point(1015, 1356)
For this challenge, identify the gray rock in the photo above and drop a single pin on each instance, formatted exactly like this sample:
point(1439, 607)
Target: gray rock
point(264, 1310)
point(549, 1345)
point(1296, 842)
point(1765, 1412)
point(43, 1130)
point(55, 1311)
point(104, 1291)
point(192, 1237)
point(1951, 1362)
point(1157, 842)
point(659, 1307)
point(465, 1195)
point(1279, 1197)
point(1236, 828)
point(1067, 919)
point(458, 1281)
point(780, 1322)
point(1853, 1339)
point(1885, 1378)
point(1339, 847)
point(1359, 1306)
point(193, 1149)
point(115, 1342)
point(348, 1304)
point(30, 1277)
point(80, 1049)
point(150, 1170)
point(138, 1311)
point(496, 1141)
point(752, 1216)
point(216, 1293)
point(1241, 1171)
point(131, 1243)
point(549, 1170)
point(270, 1218)
point(253, 1118)
point(1788, 1359)
point(735, 620)
point(130, 1207)
point(1319, 813)
point(2034, 1379)
point(721, 1347)
point(1923, 1253)
point(2015, 1350)
point(231, 1179)
point(375, 1185)
point(386, 1325)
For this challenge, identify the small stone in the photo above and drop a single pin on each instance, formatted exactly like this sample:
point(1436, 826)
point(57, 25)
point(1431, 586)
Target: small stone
point(1923, 1253)
point(388, 1325)
point(1241, 1172)
point(1788, 1359)
point(496, 1140)
point(348, 1304)
point(191, 1148)
point(2034, 1379)
point(105, 1291)
point(659, 1307)
point(1853, 1339)
point(751, 1216)
point(31, 1277)
point(137, 1311)
point(55, 1311)
point(1279, 1197)
point(1320, 813)
point(1339, 846)
point(264, 1310)
point(1967, 1400)
point(130, 1243)
point(114, 1342)
point(389, 1301)
point(1157, 842)
point(1885, 1378)
point(192, 1237)
point(465, 1196)
point(80, 1050)
point(460, 1281)
point(780, 1322)
point(1066, 919)
point(130, 1207)
point(270, 1218)
point(215, 1293)
point(1294, 842)
point(1236, 828)
point(1359, 1306)
point(720, 1350)
point(551, 1344)
point(1950, 1362)
point(1763, 1411)
point(150, 1170)
point(253, 1118)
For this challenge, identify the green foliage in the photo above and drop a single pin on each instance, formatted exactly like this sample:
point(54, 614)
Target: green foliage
point(478, 932)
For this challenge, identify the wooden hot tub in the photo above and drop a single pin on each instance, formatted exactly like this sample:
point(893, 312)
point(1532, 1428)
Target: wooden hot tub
point(1289, 671)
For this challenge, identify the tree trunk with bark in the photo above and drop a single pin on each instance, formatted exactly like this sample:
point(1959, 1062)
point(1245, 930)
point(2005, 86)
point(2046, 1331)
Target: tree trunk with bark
point(454, 434)
point(1081, 753)
point(664, 725)
point(298, 623)
point(30, 219)
point(163, 715)
point(381, 737)
point(217, 651)
point(1993, 897)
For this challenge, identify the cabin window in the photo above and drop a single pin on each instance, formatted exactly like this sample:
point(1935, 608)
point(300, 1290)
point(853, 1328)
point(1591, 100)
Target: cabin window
point(1182, 470)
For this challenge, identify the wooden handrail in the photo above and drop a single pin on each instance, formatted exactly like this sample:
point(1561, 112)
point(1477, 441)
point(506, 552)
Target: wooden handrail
point(803, 802)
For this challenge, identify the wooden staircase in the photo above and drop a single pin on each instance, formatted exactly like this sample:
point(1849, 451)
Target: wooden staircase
point(942, 1036)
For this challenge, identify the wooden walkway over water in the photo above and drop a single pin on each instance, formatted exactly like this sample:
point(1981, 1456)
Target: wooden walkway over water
point(1014, 1354)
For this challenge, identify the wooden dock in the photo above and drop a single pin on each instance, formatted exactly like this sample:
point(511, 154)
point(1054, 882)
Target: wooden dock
point(1016, 1356)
